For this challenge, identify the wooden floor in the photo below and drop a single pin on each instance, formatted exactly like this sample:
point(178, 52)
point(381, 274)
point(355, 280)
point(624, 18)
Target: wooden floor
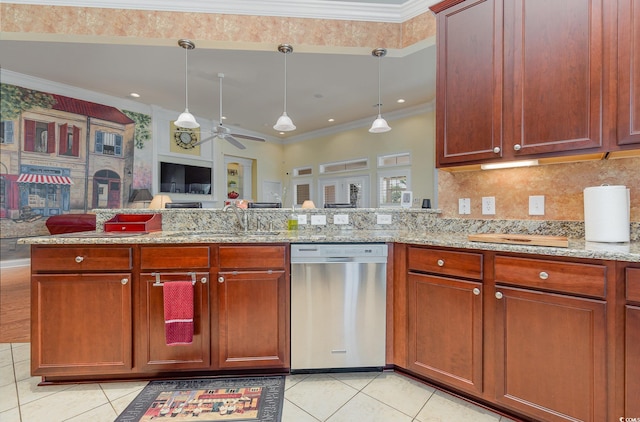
point(15, 309)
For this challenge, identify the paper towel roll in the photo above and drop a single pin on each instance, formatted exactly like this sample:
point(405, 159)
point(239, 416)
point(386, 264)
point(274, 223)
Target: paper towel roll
point(606, 214)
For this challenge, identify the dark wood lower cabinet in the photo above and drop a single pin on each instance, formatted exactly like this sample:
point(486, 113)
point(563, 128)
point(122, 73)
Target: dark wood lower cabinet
point(445, 326)
point(632, 361)
point(81, 324)
point(252, 319)
point(153, 353)
point(551, 355)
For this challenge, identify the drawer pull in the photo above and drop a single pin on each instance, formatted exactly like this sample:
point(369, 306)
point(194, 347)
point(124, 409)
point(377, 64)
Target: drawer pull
point(440, 263)
point(496, 150)
point(498, 295)
point(203, 280)
point(124, 281)
point(79, 259)
point(476, 291)
point(220, 279)
point(544, 275)
point(517, 147)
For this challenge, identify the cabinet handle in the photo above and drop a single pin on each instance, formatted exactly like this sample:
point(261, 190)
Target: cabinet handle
point(124, 281)
point(220, 279)
point(203, 280)
point(79, 259)
point(440, 263)
point(496, 150)
point(517, 147)
point(476, 291)
point(544, 275)
point(498, 295)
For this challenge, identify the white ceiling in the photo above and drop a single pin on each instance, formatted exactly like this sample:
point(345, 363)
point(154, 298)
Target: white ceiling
point(342, 86)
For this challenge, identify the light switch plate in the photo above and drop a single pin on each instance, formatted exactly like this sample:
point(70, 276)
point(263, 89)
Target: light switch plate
point(536, 205)
point(341, 219)
point(318, 220)
point(302, 219)
point(383, 218)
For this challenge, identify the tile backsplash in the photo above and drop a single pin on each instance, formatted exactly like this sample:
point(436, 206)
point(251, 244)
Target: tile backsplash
point(561, 184)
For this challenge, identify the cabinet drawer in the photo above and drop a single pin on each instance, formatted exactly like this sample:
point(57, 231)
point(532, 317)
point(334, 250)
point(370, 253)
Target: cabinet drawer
point(267, 256)
point(566, 277)
point(459, 264)
point(80, 258)
point(633, 284)
point(172, 257)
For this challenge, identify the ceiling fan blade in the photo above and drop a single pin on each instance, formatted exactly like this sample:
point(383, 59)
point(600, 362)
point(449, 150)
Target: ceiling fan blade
point(251, 138)
point(205, 140)
point(233, 141)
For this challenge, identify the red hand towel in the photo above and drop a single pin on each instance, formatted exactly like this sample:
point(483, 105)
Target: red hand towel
point(178, 312)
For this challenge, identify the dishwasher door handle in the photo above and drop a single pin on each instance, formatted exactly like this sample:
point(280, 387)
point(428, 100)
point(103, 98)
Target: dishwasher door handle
point(338, 259)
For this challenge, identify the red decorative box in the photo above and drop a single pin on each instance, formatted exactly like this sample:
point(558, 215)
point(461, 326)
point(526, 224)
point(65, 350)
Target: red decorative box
point(134, 223)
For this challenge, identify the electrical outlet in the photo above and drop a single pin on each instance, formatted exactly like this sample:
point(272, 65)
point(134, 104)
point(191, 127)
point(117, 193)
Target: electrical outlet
point(318, 220)
point(383, 219)
point(302, 219)
point(341, 219)
point(488, 205)
point(464, 206)
point(536, 205)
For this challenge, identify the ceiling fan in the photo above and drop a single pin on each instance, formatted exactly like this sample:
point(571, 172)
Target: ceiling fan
point(223, 132)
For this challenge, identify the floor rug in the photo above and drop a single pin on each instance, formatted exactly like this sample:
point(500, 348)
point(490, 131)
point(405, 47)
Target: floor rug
point(256, 399)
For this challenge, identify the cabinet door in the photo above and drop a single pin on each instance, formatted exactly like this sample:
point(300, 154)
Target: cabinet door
point(469, 82)
point(628, 72)
point(550, 355)
point(553, 77)
point(445, 330)
point(153, 354)
point(81, 324)
point(632, 360)
point(252, 319)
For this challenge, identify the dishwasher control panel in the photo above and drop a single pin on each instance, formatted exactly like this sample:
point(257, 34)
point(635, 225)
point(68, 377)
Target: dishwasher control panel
point(336, 250)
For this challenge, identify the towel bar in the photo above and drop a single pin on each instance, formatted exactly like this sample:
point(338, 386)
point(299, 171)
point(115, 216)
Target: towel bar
point(159, 283)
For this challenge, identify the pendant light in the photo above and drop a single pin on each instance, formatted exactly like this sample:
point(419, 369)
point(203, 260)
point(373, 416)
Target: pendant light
point(186, 119)
point(284, 123)
point(379, 124)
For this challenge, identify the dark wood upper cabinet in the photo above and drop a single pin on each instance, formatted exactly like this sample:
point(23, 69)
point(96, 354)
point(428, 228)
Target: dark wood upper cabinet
point(520, 79)
point(628, 72)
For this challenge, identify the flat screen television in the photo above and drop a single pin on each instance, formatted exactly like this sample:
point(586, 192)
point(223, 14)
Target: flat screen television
point(182, 178)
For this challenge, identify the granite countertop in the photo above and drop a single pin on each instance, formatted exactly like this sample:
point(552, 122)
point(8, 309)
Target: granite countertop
point(578, 248)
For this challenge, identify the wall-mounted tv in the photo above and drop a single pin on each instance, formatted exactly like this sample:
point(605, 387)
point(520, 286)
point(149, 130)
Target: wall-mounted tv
point(182, 178)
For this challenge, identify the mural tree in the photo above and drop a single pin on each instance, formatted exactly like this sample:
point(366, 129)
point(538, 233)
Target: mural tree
point(15, 99)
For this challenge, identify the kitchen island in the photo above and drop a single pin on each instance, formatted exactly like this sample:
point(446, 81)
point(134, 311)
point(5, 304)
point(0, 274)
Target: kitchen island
point(536, 331)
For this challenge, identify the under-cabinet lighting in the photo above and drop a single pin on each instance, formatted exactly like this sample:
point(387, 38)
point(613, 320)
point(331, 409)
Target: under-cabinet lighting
point(509, 164)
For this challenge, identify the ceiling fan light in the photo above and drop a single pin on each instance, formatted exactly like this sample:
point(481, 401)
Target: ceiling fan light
point(284, 123)
point(379, 125)
point(186, 120)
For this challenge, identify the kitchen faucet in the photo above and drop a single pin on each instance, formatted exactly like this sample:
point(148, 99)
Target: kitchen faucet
point(242, 220)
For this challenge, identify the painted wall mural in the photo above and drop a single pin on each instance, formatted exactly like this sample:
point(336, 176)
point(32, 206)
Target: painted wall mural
point(63, 155)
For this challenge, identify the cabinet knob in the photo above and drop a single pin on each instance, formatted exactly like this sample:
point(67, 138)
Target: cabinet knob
point(79, 259)
point(544, 275)
point(517, 147)
point(203, 280)
point(220, 279)
point(496, 150)
point(476, 291)
point(124, 281)
point(498, 295)
point(440, 263)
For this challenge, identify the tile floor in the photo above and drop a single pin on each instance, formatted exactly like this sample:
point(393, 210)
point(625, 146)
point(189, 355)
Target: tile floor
point(366, 397)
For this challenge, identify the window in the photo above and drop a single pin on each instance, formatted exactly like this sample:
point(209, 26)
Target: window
point(108, 143)
point(39, 136)
point(6, 132)
point(402, 159)
point(303, 171)
point(341, 166)
point(69, 141)
point(391, 184)
point(301, 190)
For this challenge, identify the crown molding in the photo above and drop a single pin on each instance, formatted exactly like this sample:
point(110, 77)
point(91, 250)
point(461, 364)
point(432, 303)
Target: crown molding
point(317, 9)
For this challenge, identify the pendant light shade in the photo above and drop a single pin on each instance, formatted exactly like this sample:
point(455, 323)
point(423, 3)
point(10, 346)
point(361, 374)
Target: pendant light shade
point(186, 119)
point(379, 125)
point(284, 123)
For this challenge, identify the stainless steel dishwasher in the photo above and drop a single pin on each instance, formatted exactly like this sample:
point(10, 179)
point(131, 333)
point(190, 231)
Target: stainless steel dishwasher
point(338, 306)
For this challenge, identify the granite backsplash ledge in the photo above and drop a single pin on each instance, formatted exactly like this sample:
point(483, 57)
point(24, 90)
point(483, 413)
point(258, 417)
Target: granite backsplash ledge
point(418, 220)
